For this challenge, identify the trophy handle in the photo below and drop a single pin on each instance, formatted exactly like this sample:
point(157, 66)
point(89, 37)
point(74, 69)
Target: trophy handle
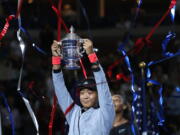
point(60, 45)
point(81, 50)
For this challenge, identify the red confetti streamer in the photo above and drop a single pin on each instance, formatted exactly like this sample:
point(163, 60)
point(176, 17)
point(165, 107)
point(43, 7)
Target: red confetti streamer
point(54, 108)
point(31, 85)
point(59, 17)
point(110, 68)
point(141, 42)
point(69, 108)
point(83, 69)
point(9, 18)
point(6, 26)
point(59, 21)
point(122, 76)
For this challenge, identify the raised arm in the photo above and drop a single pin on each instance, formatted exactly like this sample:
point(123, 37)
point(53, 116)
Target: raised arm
point(104, 95)
point(64, 99)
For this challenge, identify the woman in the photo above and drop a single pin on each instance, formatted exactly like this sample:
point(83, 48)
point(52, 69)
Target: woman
point(86, 119)
point(121, 125)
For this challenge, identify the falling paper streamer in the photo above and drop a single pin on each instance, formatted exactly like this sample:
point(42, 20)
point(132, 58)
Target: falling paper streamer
point(11, 17)
point(127, 61)
point(141, 42)
point(6, 26)
point(22, 47)
point(9, 111)
point(21, 42)
point(173, 13)
point(31, 112)
point(59, 23)
point(160, 112)
point(170, 36)
point(31, 41)
point(164, 59)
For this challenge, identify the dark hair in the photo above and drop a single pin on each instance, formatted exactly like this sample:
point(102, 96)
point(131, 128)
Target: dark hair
point(127, 111)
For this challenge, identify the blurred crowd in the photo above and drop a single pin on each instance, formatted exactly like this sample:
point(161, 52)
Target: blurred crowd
point(36, 14)
point(38, 88)
point(36, 78)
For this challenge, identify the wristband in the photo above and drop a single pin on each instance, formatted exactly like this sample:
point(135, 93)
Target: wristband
point(56, 70)
point(95, 66)
point(93, 58)
point(56, 60)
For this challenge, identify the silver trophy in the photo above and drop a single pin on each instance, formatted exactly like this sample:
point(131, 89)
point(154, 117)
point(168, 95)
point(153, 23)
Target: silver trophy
point(71, 50)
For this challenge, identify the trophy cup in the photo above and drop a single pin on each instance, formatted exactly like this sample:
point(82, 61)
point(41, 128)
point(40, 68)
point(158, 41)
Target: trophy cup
point(71, 50)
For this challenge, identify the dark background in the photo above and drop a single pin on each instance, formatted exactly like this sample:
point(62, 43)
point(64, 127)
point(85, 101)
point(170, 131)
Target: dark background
point(107, 31)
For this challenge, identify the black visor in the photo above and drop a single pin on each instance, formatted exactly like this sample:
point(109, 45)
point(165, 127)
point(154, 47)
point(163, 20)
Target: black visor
point(88, 84)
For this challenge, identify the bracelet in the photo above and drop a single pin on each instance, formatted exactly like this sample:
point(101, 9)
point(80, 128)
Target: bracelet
point(93, 58)
point(56, 60)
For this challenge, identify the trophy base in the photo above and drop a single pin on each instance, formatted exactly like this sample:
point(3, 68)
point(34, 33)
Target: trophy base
point(72, 67)
point(71, 64)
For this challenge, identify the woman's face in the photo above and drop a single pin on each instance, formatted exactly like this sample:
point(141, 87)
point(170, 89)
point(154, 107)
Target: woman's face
point(118, 103)
point(88, 98)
